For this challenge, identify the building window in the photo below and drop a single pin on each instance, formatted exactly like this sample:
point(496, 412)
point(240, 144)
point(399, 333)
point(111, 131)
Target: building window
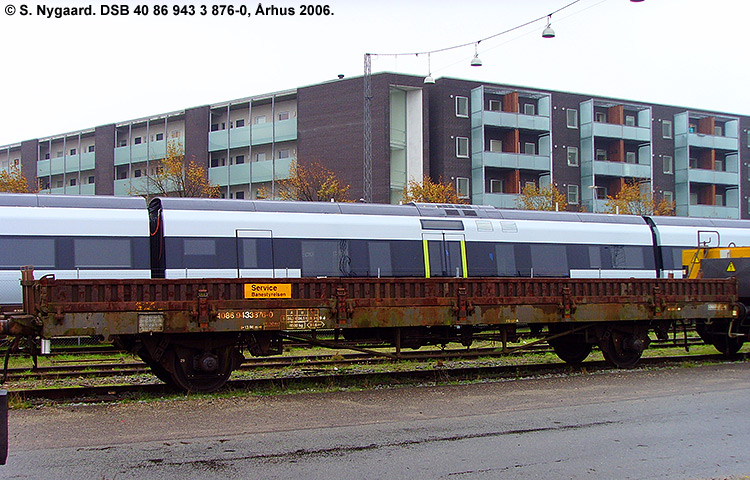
point(174, 134)
point(73, 182)
point(668, 196)
point(260, 157)
point(692, 128)
point(137, 173)
point(46, 156)
point(137, 140)
point(495, 106)
point(91, 148)
point(159, 137)
point(239, 159)
point(573, 194)
point(59, 183)
point(239, 195)
point(529, 148)
point(283, 154)
point(718, 131)
point(73, 151)
point(462, 107)
point(59, 154)
point(283, 116)
point(693, 163)
point(630, 120)
point(91, 180)
point(668, 164)
point(214, 127)
point(218, 162)
point(630, 157)
point(496, 186)
point(462, 147)
point(719, 200)
point(666, 129)
point(123, 142)
point(496, 145)
point(260, 119)
point(122, 173)
point(462, 187)
point(529, 109)
point(240, 122)
point(719, 165)
point(571, 115)
point(600, 117)
point(601, 155)
point(573, 156)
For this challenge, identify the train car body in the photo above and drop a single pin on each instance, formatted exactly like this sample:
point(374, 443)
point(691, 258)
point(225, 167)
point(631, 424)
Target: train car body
point(71, 237)
point(292, 240)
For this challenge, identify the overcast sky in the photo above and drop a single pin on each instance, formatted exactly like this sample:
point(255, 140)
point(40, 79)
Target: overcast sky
point(64, 74)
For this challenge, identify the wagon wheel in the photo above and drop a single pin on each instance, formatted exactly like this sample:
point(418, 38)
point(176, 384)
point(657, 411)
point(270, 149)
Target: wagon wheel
point(572, 348)
point(718, 335)
point(623, 347)
point(157, 368)
point(199, 370)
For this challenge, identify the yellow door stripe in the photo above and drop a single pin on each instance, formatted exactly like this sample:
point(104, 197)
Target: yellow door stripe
point(463, 258)
point(426, 259)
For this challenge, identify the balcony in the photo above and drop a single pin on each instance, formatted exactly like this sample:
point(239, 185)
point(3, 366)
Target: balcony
point(263, 171)
point(66, 164)
point(142, 152)
point(715, 177)
point(245, 173)
point(232, 138)
point(511, 120)
point(514, 161)
point(622, 169)
point(708, 141)
point(498, 200)
point(713, 211)
point(609, 130)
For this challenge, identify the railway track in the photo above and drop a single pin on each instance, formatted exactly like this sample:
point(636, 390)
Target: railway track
point(121, 367)
point(434, 375)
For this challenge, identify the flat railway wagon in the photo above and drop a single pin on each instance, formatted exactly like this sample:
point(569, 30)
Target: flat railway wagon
point(232, 276)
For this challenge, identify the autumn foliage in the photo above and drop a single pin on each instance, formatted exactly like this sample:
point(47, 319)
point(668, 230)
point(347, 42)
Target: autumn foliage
point(13, 181)
point(177, 177)
point(310, 183)
point(430, 192)
point(546, 198)
point(632, 200)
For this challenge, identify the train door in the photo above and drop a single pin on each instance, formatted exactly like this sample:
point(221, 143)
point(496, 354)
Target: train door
point(444, 254)
point(255, 254)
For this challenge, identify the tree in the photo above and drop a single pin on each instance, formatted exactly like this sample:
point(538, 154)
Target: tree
point(632, 200)
point(13, 181)
point(311, 183)
point(547, 198)
point(430, 192)
point(176, 177)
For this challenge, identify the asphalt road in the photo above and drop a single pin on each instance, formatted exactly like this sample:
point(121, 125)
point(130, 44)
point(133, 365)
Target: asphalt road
point(684, 423)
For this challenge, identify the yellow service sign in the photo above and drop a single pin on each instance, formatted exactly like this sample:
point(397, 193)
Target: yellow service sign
point(268, 290)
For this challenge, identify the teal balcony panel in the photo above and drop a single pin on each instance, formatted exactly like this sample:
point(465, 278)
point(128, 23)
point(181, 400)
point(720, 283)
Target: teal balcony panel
point(622, 169)
point(498, 200)
point(157, 150)
point(263, 171)
point(626, 132)
point(713, 211)
point(712, 141)
point(43, 168)
point(88, 189)
point(239, 174)
point(218, 176)
point(516, 120)
point(122, 156)
point(217, 141)
point(57, 191)
point(131, 186)
point(701, 175)
point(285, 130)
point(57, 166)
point(516, 161)
point(74, 163)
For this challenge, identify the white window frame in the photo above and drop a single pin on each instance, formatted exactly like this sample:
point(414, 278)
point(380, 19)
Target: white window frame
point(462, 142)
point(667, 164)
point(603, 153)
point(668, 196)
point(260, 119)
point(499, 183)
point(572, 195)
point(496, 145)
point(573, 154)
point(529, 146)
point(718, 131)
point(73, 151)
point(666, 129)
point(284, 116)
point(571, 120)
point(495, 103)
point(462, 106)
point(529, 109)
point(629, 156)
point(465, 181)
point(600, 117)
point(260, 157)
point(630, 120)
point(284, 154)
point(719, 165)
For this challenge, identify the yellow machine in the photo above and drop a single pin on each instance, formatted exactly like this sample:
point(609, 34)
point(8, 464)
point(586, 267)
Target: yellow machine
point(699, 262)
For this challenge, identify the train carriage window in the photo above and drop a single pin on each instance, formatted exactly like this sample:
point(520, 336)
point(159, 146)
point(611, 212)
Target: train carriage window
point(595, 256)
point(200, 246)
point(102, 252)
point(16, 252)
point(549, 260)
point(578, 256)
point(407, 258)
point(320, 258)
point(379, 253)
point(256, 253)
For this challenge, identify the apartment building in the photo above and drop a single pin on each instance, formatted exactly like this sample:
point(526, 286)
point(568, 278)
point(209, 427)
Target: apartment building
point(490, 140)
